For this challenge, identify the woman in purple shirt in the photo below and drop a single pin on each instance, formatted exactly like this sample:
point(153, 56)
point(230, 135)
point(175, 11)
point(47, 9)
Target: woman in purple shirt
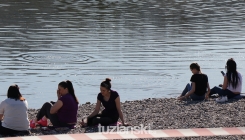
point(62, 113)
point(111, 102)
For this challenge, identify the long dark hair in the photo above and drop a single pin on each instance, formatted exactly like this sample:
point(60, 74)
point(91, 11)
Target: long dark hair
point(14, 93)
point(195, 66)
point(106, 84)
point(67, 84)
point(232, 75)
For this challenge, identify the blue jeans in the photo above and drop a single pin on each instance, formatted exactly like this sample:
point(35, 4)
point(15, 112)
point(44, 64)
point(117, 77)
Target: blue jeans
point(193, 96)
point(222, 92)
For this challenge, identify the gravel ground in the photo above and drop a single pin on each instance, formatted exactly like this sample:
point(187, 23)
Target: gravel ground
point(168, 113)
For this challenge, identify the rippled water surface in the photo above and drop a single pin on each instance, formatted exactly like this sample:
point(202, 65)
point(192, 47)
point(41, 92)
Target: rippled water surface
point(144, 46)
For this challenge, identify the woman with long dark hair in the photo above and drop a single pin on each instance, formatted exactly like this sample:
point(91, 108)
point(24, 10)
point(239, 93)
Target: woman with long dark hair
point(232, 84)
point(13, 113)
point(62, 113)
point(111, 102)
point(199, 87)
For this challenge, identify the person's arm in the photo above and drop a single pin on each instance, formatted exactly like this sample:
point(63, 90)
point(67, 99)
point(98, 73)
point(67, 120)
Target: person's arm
point(193, 88)
point(118, 105)
point(225, 83)
point(1, 117)
point(2, 106)
point(208, 92)
point(54, 109)
point(96, 110)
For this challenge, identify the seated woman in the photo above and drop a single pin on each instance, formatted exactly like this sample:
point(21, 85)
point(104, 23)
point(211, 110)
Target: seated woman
point(111, 101)
point(199, 85)
point(232, 84)
point(13, 113)
point(62, 113)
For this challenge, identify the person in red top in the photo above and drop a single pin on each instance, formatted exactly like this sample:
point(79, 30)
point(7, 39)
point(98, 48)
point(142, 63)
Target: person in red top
point(111, 102)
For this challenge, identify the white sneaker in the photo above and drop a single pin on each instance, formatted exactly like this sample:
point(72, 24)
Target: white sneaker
point(222, 99)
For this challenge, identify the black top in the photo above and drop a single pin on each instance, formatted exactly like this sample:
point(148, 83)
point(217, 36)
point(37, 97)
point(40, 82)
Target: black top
point(200, 81)
point(110, 105)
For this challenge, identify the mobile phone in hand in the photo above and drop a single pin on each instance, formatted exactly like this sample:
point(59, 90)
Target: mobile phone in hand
point(223, 73)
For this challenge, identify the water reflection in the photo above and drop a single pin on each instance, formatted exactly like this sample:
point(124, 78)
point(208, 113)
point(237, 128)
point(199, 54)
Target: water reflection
point(144, 46)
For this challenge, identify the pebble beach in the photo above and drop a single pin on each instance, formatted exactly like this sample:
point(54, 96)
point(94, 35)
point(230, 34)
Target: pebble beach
point(166, 113)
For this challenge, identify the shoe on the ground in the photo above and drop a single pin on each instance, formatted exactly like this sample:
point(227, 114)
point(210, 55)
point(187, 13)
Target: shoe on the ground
point(32, 124)
point(222, 99)
point(43, 123)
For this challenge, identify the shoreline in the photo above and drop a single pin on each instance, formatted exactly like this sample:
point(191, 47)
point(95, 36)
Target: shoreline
point(166, 113)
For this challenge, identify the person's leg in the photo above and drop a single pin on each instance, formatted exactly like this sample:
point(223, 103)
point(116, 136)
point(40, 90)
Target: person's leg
point(23, 133)
point(196, 97)
point(215, 90)
point(7, 131)
point(45, 111)
point(104, 121)
point(228, 93)
point(1, 128)
point(187, 88)
point(106, 118)
point(90, 120)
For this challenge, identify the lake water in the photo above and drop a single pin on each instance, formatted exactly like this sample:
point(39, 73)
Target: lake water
point(144, 46)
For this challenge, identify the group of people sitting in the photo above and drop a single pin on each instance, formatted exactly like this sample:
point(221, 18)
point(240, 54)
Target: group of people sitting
point(199, 88)
point(63, 112)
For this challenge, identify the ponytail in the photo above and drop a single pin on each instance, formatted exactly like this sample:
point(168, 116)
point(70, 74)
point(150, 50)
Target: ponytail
point(70, 87)
point(106, 84)
point(68, 84)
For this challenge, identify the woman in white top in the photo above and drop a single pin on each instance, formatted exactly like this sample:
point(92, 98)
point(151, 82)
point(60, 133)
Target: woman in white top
point(232, 84)
point(13, 113)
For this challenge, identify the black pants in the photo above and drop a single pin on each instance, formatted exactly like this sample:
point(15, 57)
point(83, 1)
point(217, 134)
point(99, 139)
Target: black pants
point(104, 119)
point(11, 132)
point(45, 111)
point(223, 92)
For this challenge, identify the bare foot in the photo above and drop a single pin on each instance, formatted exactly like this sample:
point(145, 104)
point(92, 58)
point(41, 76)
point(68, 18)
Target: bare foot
point(127, 124)
point(83, 124)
